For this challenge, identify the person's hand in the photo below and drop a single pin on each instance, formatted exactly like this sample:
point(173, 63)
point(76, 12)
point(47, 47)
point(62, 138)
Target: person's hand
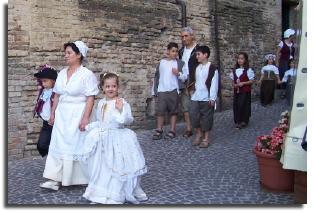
point(240, 84)
point(83, 124)
point(119, 104)
point(211, 103)
point(175, 71)
point(51, 120)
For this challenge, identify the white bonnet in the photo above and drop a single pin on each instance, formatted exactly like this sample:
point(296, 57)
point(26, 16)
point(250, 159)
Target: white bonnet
point(288, 33)
point(82, 47)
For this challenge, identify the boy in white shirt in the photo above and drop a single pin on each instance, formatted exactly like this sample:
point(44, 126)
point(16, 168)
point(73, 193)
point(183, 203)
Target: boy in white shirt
point(168, 77)
point(46, 77)
point(203, 86)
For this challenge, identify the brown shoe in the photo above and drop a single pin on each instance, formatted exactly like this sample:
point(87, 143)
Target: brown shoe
point(187, 134)
point(204, 144)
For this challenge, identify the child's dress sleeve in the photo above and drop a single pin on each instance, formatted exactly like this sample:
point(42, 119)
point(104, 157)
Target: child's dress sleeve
point(231, 75)
point(125, 117)
point(95, 117)
point(250, 74)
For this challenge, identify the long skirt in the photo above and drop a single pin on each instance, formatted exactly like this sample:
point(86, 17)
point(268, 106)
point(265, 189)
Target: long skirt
point(267, 91)
point(242, 107)
point(115, 162)
point(66, 143)
point(283, 67)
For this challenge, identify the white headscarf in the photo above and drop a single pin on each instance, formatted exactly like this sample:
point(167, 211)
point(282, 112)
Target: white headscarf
point(82, 47)
point(288, 33)
point(268, 56)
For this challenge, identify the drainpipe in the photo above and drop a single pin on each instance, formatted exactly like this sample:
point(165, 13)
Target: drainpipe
point(183, 12)
point(217, 49)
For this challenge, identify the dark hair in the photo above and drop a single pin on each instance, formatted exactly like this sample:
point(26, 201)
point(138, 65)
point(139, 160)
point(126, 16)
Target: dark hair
point(290, 61)
point(105, 76)
point(246, 65)
point(204, 50)
point(172, 45)
point(74, 47)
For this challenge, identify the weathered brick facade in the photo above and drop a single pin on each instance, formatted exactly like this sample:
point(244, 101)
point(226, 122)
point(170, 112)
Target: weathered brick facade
point(126, 36)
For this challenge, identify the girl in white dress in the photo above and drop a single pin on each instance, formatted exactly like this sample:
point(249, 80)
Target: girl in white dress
point(112, 153)
point(75, 89)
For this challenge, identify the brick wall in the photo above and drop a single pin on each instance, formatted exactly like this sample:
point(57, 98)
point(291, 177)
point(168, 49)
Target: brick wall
point(128, 37)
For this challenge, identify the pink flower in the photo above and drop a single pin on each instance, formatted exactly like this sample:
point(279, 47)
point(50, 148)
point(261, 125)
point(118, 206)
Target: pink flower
point(272, 144)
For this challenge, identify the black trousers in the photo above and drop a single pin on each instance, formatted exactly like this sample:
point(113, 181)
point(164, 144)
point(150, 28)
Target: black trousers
point(44, 139)
point(242, 107)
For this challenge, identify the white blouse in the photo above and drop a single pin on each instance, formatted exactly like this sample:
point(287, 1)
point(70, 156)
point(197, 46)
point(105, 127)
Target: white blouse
point(201, 91)
point(291, 72)
point(239, 72)
point(83, 83)
point(269, 68)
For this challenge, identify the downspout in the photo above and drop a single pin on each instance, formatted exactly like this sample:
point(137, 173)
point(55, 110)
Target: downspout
point(183, 12)
point(216, 41)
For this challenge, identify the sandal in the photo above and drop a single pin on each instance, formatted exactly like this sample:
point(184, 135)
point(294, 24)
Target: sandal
point(204, 144)
point(157, 135)
point(170, 135)
point(196, 142)
point(187, 134)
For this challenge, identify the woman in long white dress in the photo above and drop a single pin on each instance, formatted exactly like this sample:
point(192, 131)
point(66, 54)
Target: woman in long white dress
point(75, 90)
point(112, 153)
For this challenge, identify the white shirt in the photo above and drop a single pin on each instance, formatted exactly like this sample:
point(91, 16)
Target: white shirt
point(46, 110)
point(201, 91)
point(289, 45)
point(239, 72)
point(291, 72)
point(268, 68)
point(186, 57)
point(167, 80)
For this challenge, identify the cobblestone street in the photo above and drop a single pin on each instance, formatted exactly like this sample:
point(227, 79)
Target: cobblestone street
point(178, 173)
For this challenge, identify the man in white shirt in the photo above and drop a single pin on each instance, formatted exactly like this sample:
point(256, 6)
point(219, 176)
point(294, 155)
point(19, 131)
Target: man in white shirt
point(203, 85)
point(169, 73)
point(187, 54)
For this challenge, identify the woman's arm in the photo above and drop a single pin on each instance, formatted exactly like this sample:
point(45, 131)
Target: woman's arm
point(53, 109)
point(278, 54)
point(88, 110)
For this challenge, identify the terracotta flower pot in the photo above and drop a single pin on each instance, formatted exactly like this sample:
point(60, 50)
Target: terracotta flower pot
point(272, 175)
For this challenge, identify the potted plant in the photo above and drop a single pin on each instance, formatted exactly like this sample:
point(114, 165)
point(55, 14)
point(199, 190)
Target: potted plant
point(268, 151)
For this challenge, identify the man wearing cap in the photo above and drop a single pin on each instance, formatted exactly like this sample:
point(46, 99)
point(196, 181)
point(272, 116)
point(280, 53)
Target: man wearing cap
point(46, 77)
point(75, 90)
point(285, 52)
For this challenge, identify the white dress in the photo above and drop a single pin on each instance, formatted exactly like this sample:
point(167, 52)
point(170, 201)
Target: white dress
point(62, 164)
point(113, 156)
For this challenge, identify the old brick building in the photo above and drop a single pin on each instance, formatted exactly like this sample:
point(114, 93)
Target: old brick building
point(129, 37)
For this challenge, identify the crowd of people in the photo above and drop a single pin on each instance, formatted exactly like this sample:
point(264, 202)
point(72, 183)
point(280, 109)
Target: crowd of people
point(105, 155)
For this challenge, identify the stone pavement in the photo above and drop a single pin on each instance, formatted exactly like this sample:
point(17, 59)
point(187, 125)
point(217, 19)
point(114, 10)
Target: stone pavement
point(225, 173)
